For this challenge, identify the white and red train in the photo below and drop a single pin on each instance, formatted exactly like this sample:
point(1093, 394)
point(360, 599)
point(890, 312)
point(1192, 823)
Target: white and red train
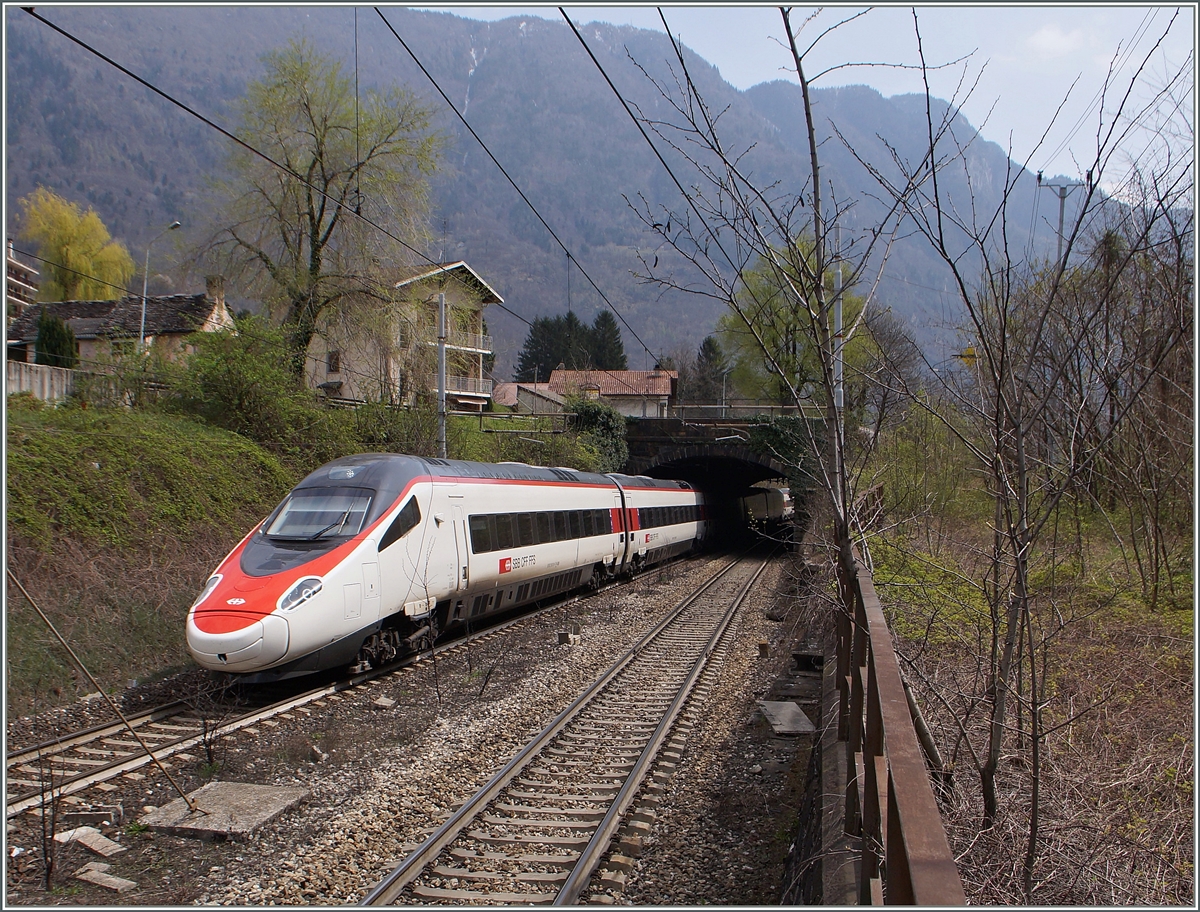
point(374, 552)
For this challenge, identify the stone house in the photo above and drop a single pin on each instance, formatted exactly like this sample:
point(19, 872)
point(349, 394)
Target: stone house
point(373, 352)
point(635, 394)
point(104, 329)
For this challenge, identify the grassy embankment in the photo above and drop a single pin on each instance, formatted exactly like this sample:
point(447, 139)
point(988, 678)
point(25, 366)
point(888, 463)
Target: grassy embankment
point(116, 516)
point(114, 520)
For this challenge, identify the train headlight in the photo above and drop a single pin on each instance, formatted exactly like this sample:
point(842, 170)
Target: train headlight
point(208, 588)
point(300, 593)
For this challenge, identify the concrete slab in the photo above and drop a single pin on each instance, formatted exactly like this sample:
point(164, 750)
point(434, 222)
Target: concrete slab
point(92, 838)
point(786, 718)
point(227, 810)
point(94, 872)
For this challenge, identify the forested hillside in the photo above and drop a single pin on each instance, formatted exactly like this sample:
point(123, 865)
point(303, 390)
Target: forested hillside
point(80, 127)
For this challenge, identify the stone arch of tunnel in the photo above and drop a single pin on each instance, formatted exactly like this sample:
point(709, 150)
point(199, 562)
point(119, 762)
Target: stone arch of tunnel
point(723, 472)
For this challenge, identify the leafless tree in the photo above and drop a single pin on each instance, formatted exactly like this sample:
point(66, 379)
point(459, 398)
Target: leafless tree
point(1053, 379)
point(730, 227)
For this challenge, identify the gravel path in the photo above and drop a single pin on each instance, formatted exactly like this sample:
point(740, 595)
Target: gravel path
point(380, 778)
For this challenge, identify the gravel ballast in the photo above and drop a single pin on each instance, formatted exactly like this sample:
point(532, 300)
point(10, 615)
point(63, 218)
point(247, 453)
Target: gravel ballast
point(383, 773)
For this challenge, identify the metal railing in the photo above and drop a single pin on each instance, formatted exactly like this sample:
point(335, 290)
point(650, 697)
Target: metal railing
point(471, 385)
point(890, 804)
point(463, 341)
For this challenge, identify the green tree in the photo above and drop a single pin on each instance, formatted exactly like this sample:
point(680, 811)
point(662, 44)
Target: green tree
point(577, 343)
point(541, 351)
point(55, 342)
point(708, 372)
point(82, 261)
point(293, 233)
point(552, 341)
point(607, 349)
point(772, 331)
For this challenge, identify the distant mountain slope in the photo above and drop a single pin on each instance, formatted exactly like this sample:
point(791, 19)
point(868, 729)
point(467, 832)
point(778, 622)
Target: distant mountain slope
point(85, 130)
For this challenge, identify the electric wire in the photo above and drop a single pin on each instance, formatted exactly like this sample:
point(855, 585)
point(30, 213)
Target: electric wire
point(1123, 59)
point(637, 123)
point(509, 178)
point(245, 145)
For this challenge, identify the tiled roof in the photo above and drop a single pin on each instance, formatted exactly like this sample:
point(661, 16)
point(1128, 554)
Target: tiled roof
point(165, 315)
point(615, 383)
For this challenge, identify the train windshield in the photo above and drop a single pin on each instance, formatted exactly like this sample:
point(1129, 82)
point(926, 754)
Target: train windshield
point(314, 513)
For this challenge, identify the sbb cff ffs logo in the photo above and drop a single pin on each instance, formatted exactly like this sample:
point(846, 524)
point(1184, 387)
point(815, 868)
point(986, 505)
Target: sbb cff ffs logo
point(509, 564)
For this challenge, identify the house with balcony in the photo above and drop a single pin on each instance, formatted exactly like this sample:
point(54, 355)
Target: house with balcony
point(387, 351)
point(20, 284)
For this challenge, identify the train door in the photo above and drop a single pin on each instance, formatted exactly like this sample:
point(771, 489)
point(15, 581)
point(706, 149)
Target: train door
point(625, 538)
point(462, 546)
point(403, 546)
point(618, 527)
point(442, 553)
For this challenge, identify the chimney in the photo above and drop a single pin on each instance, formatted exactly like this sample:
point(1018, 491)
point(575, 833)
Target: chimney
point(214, 289)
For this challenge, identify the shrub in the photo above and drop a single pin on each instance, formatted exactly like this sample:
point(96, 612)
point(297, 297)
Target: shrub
point(602, 428)
point(240, 380)
point(55, 342)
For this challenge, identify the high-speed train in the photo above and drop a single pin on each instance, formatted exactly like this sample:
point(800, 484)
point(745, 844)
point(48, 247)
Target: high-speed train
point(376, 552)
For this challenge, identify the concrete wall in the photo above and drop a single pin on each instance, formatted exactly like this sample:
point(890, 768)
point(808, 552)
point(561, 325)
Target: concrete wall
point(48, 383)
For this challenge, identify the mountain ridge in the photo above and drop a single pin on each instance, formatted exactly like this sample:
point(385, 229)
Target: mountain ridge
point(528, 90)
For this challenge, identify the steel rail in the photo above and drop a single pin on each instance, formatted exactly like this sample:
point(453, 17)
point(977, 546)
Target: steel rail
point(591, 856)
point(77, 783)
point(390, 887)
point(70, 785)
point(53, 746)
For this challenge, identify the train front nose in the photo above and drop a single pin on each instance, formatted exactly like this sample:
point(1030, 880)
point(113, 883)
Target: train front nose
point(236, 641)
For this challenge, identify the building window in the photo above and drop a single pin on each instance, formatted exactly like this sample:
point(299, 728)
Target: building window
point(333, 362)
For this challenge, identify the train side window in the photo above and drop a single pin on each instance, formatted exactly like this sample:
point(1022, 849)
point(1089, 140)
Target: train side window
point(481, 535)
point(562, 529)
point(545, 528)
point(525, 529)
point(587, 517)
point(603, 522)
point(574, 523)
point(504, 531)
point(406, 520)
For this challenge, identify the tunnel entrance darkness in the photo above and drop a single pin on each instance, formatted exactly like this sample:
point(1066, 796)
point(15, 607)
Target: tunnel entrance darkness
point(724, 473)
point(717, 469)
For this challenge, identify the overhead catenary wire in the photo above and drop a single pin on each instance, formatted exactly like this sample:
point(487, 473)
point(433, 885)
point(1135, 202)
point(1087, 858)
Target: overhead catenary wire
point(637, 123)
point(509, 178)
point(245, 145)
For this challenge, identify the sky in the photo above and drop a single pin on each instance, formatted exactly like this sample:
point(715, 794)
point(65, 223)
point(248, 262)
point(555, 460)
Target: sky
point(1024, 57)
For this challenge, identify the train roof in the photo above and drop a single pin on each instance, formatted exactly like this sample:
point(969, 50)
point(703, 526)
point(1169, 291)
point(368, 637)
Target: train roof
point(392, 472)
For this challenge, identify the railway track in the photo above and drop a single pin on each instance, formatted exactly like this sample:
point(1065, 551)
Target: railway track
point(82, 760)
point(538, 831)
